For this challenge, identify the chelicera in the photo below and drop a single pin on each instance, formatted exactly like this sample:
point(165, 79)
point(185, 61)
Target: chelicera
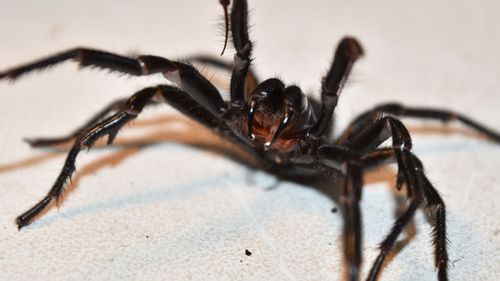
point(286, 131)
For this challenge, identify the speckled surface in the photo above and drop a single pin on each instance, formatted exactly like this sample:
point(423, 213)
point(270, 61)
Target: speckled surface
point(169, 211)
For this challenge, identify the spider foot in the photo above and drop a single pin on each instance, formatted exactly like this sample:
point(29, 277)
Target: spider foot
point(23, 220)
point(28, 216)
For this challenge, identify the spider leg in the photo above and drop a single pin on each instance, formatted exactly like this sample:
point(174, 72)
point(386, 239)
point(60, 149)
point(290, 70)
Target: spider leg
point(243, 46)
point(185, 75)
point(351, 166)
point(251, 81)
point(417, 112)
point(348, 51)
point(111, 125)
point(376, 158)
point(43, 142)
point(410, 170)
point(434, 203)
point(389, 241)
point(351, 196)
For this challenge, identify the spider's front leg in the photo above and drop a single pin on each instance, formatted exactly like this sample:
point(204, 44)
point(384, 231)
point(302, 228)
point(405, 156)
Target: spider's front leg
point(185, 75)
point(252, 81)
point(243, 46)
point(347, 52)
point(111, 125)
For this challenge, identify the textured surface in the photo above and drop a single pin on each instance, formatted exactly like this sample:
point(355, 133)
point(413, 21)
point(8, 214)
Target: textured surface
point(168, 211)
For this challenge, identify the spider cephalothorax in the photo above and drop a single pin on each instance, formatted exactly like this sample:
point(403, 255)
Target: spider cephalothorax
point(285, 131)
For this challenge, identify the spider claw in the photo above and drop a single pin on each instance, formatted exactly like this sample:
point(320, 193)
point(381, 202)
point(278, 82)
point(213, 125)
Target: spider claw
point(225, 4)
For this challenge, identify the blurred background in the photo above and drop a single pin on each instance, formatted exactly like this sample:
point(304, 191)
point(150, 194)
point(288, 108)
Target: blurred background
point(166, 210)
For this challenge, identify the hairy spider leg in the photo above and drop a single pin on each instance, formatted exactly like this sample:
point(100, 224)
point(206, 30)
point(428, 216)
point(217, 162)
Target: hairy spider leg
point(111, 125)
point(415, 112)
point(347, 52)
point(411, 170)
point(252, 81)
point(185, 75)
point(351, 167)
point(433, 199)
point(351, 196)
point(243, 46)
point(395, 109)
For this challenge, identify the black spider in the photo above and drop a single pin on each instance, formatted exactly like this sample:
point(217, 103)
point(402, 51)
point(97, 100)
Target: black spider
point(286, 132)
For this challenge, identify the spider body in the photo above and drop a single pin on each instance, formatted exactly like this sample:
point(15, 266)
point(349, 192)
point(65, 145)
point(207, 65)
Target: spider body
point(274, 117)
point(285, 131)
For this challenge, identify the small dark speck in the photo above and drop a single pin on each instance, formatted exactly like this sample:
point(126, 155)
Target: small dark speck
point(334, 210)
point(241, 260)
point(247, 252)
point(147, 236)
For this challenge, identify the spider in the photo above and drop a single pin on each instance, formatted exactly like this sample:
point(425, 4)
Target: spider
point(287, 132)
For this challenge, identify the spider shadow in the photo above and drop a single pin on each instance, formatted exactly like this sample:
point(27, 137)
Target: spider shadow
point(192, 136)
point(128, 147)
point(387, 176)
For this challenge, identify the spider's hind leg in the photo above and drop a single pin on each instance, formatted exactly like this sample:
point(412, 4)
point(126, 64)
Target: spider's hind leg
point(110, 126)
